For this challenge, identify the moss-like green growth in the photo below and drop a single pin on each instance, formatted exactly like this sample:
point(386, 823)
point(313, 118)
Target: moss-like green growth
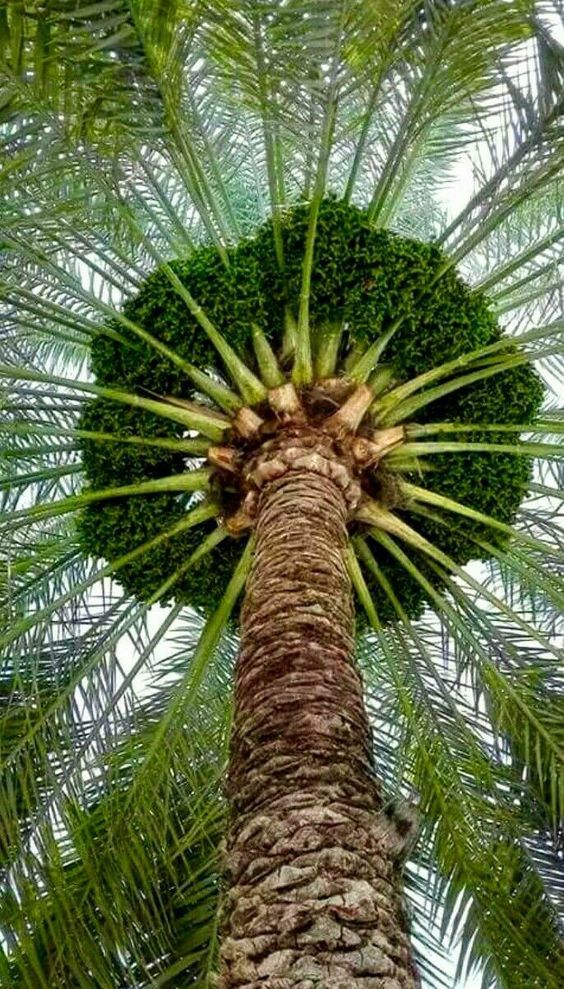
point(108, 463)
point(114, 528)
point(368, 277)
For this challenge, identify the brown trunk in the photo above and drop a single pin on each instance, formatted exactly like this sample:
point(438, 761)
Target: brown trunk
point(314, 899)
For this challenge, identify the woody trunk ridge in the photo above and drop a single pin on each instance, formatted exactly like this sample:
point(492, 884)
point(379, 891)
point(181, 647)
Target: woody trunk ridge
point(313, 899)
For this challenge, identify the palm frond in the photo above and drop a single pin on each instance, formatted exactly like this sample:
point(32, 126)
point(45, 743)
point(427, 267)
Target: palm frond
point(131, 133)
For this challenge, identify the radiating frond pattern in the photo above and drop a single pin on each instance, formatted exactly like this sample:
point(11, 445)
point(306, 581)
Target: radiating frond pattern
point(137, 135)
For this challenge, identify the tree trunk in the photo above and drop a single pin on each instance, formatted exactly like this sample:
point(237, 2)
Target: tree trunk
point(314, 894)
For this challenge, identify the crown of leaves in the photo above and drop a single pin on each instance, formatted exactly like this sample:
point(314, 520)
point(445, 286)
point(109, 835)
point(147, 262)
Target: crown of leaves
point(362, 280)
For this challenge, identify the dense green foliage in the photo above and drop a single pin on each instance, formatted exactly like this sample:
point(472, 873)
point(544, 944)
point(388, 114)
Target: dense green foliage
point(133, 132)
point(364, 276)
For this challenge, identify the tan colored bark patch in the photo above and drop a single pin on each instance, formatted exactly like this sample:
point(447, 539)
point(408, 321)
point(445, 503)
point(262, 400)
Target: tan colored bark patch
point(246, 423)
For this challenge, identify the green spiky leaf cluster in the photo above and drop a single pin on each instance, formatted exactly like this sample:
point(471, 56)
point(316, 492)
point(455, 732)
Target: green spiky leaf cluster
point(133, 132)
point(363, 277)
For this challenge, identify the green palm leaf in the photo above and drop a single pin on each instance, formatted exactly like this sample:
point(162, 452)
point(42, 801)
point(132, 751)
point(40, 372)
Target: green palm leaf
point(176, 183)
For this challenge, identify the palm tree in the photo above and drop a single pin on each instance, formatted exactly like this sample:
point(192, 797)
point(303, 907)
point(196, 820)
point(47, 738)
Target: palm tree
point(260, 372)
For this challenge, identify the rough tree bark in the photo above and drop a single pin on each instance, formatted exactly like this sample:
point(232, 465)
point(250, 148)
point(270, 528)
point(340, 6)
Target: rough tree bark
point(313, 899)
